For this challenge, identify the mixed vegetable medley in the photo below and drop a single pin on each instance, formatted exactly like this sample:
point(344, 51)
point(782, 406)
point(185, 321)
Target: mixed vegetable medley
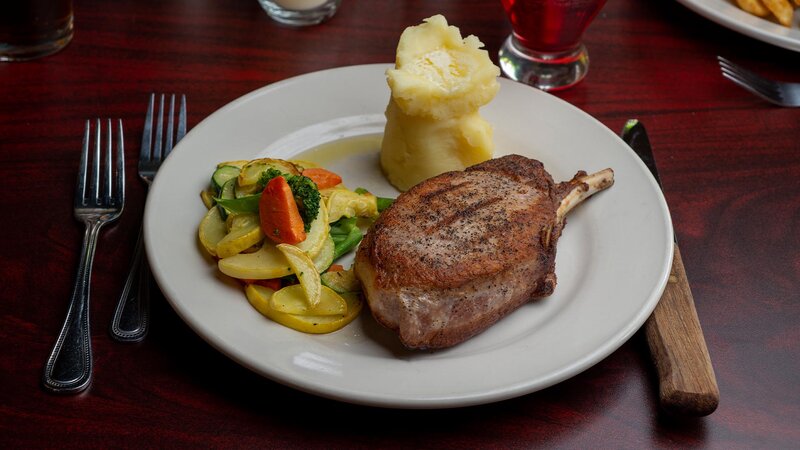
point(278, 227)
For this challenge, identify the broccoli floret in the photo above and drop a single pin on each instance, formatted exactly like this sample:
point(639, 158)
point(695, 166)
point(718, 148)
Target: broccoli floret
point(266, 176)
point(307, 197)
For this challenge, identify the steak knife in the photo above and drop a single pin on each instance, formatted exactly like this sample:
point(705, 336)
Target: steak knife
point(687, 384)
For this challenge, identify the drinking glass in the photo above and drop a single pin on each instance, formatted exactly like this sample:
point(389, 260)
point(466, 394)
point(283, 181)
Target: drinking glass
point(34, 28)
point(300, 13)
point(545, 48)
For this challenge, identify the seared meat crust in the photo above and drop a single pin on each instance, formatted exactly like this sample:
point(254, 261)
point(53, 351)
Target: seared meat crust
point(459, 251)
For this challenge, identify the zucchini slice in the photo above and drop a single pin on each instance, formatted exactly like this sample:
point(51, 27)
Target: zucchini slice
point(223, 175)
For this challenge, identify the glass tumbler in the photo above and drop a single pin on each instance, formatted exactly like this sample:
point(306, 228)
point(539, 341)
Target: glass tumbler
point(34, 28)
point(545, 48)
point(300, 13)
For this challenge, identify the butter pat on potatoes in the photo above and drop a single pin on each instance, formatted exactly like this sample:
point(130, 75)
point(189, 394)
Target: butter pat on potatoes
point(439, 82)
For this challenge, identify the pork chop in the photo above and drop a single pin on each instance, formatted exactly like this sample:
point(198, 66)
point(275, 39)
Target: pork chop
point(461, 250)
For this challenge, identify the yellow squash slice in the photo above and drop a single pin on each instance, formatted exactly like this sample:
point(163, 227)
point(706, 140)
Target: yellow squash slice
point(252, 171)
point(208, 198)
point(212, 230)
point(347, 203)
point(303, 164)
point(305, 270)
point(317, 234)
point(341, 282)
point(237, 163)
point(324, 258)
point(259, 297)
point(266, 263)
point(245, 232)
point(292, 300)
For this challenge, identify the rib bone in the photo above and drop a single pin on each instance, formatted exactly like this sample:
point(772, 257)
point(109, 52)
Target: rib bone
point(584, 186)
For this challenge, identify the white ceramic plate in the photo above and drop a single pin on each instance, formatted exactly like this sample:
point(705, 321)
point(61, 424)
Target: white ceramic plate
point(727, 14)
point(613, 258)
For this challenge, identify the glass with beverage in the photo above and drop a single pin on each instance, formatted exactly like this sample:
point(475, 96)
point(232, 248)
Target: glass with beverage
point(545, 48)
point(300, 13)
point(33, 28)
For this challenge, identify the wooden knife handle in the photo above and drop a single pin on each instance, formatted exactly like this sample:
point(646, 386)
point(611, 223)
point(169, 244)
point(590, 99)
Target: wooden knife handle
point(687, 385)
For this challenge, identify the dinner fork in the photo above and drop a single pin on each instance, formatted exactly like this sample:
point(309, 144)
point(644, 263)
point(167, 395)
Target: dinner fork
point(132, 315)
point(777, 92)
point(99, 199)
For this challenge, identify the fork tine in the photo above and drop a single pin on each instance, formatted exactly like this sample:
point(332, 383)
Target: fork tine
point(147, 135)
point(751, 81)
point(170, 126)
point(764, 88)
point(750, 77)
point(723, 62)
point(109, 166)
point(770, 97)
point(119, 197)
point(94, 192)
point(726, 63)
point(159, 130)
point(182, 119)
point(83, 167)
point(741, 82)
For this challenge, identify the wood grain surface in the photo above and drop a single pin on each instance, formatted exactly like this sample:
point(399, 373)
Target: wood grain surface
point(687, 385)
point(729, 162)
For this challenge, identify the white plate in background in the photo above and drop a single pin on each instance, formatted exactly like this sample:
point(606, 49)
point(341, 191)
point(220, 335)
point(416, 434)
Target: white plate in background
point(727, 14)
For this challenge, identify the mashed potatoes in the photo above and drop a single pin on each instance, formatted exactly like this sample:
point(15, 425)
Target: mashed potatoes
point(439, 82)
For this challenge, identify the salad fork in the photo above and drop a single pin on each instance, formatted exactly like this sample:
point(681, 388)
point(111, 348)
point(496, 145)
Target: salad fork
point(777, 92)
point(99, 199)
point(132, 315)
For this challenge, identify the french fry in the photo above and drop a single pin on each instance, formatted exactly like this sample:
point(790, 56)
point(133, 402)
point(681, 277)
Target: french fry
point(754, 7)
point(782, 10)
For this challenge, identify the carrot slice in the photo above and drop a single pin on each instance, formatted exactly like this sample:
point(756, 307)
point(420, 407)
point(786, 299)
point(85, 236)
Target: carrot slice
point(280, 218)
point(335, 268)
point(273, 283)
point(322, 178)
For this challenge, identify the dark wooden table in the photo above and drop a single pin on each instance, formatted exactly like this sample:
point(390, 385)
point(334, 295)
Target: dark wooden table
point(730, 165)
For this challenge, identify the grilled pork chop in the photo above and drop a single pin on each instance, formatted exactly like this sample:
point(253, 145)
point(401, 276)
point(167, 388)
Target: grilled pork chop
point(461, 250)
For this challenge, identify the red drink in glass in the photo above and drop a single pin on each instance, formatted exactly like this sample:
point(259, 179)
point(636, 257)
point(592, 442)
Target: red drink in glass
point(545, 49)
point(551, 25)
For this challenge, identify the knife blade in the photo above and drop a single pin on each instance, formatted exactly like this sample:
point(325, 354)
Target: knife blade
point(687, 384)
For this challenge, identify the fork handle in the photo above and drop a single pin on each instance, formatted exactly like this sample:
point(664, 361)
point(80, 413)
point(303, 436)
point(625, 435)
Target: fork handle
point(132, 314)
point(69, 367)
